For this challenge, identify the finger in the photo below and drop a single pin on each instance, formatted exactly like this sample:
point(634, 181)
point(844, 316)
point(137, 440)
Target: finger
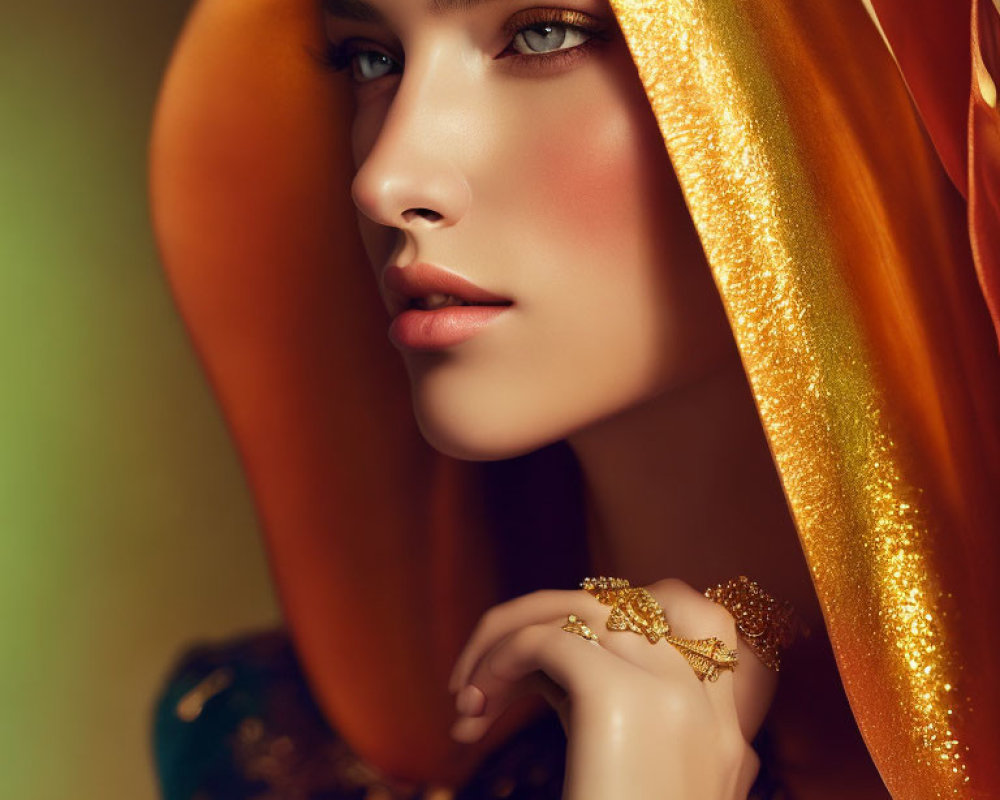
point(541, 606)
point(471, 726)
point(570, 661)
point(660, 660)
point(744, 693)
point(502, 620)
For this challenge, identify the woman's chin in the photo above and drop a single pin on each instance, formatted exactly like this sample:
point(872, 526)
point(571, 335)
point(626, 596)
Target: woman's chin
point(482, 429)
point(475, 442)
point(478, 417)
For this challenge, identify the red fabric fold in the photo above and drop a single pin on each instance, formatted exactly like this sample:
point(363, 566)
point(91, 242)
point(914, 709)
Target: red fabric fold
point(949, 54)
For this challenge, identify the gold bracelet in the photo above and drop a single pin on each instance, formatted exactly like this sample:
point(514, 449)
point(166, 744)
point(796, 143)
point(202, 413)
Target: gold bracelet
point(765, 624)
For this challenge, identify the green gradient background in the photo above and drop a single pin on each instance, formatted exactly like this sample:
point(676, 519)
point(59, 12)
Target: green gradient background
point(125, 528)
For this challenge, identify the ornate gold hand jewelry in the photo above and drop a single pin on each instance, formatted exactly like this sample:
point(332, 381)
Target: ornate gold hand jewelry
point(635, 609)
point(766, 625)
point(577, 625)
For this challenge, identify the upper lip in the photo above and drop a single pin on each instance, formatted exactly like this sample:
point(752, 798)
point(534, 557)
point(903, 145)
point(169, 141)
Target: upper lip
point(418, 280)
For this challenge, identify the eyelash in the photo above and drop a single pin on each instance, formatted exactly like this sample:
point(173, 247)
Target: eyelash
point(339, 56)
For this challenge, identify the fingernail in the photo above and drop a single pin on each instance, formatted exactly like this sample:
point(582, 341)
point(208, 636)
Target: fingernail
point(471, 702)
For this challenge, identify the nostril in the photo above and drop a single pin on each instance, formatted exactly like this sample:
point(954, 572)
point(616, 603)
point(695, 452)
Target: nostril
point(424, 213)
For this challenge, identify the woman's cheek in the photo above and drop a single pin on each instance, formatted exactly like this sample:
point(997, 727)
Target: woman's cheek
point(586, 176)
point(587, 211)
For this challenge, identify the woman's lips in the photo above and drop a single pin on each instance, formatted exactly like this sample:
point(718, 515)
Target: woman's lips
point(404, 284)
point(416, 329)
point(430, 329)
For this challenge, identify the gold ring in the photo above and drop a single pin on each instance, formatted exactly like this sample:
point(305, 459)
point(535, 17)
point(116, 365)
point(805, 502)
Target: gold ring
point(635, 609)
point(765, 624)
point(577, 625)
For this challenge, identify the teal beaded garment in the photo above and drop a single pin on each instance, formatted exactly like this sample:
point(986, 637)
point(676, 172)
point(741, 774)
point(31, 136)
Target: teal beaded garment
point(236, 721)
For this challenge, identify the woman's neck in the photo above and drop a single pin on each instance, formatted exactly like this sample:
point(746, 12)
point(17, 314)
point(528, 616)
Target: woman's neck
point(683, 486)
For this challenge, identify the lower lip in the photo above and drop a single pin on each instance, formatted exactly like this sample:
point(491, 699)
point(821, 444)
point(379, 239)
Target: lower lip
point(416, 329)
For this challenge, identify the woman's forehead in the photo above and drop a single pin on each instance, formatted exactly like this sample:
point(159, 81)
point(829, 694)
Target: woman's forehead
point(362, 11)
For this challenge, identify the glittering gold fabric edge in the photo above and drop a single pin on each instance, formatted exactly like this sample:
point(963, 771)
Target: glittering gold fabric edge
point(862, 525)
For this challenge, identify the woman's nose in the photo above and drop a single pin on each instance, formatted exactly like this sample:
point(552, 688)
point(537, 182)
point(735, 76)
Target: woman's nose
point(411, 175)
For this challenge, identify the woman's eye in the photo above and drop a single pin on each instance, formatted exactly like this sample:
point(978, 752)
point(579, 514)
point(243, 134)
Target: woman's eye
point(548, 37)
point(356, 55)
point(371, 64)
point(532, 37)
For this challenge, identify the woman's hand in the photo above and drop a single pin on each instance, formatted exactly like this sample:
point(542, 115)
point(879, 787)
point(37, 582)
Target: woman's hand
point(639, 723)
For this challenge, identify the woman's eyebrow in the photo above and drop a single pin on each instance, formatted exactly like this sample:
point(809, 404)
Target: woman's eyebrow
point(360, 11)
point(357, 10)
point(443, 6)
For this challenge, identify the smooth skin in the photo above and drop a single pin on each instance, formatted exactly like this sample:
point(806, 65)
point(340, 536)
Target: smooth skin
point(513, 144)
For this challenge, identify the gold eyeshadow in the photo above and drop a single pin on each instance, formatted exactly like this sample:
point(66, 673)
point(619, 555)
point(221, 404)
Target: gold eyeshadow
point(560, 16)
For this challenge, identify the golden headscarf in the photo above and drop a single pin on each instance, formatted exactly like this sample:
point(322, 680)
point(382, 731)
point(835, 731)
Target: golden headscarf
point(841, 250)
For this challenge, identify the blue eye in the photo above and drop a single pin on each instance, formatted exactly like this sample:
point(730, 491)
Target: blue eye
point(548, 37)
point(371, 64)
point(535, 37)
point(366, 64)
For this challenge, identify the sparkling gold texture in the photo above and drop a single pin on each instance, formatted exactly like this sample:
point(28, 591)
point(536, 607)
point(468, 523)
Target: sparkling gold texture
point(766, 625)
point(575, 624)
point(752, 178)
point(635, 609)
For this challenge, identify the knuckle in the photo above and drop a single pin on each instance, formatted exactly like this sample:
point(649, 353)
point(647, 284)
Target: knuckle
point(491, 616)
point(717, 616)
point(531, 599)
point(481, 626)
point(492, 620)
point(667, 587)
point(523, 646)
point(529, 639)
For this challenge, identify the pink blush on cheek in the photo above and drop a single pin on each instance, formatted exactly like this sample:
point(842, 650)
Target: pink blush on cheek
point(586, 181)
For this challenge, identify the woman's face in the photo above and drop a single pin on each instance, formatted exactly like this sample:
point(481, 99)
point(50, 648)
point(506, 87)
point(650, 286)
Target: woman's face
point(512, 144)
